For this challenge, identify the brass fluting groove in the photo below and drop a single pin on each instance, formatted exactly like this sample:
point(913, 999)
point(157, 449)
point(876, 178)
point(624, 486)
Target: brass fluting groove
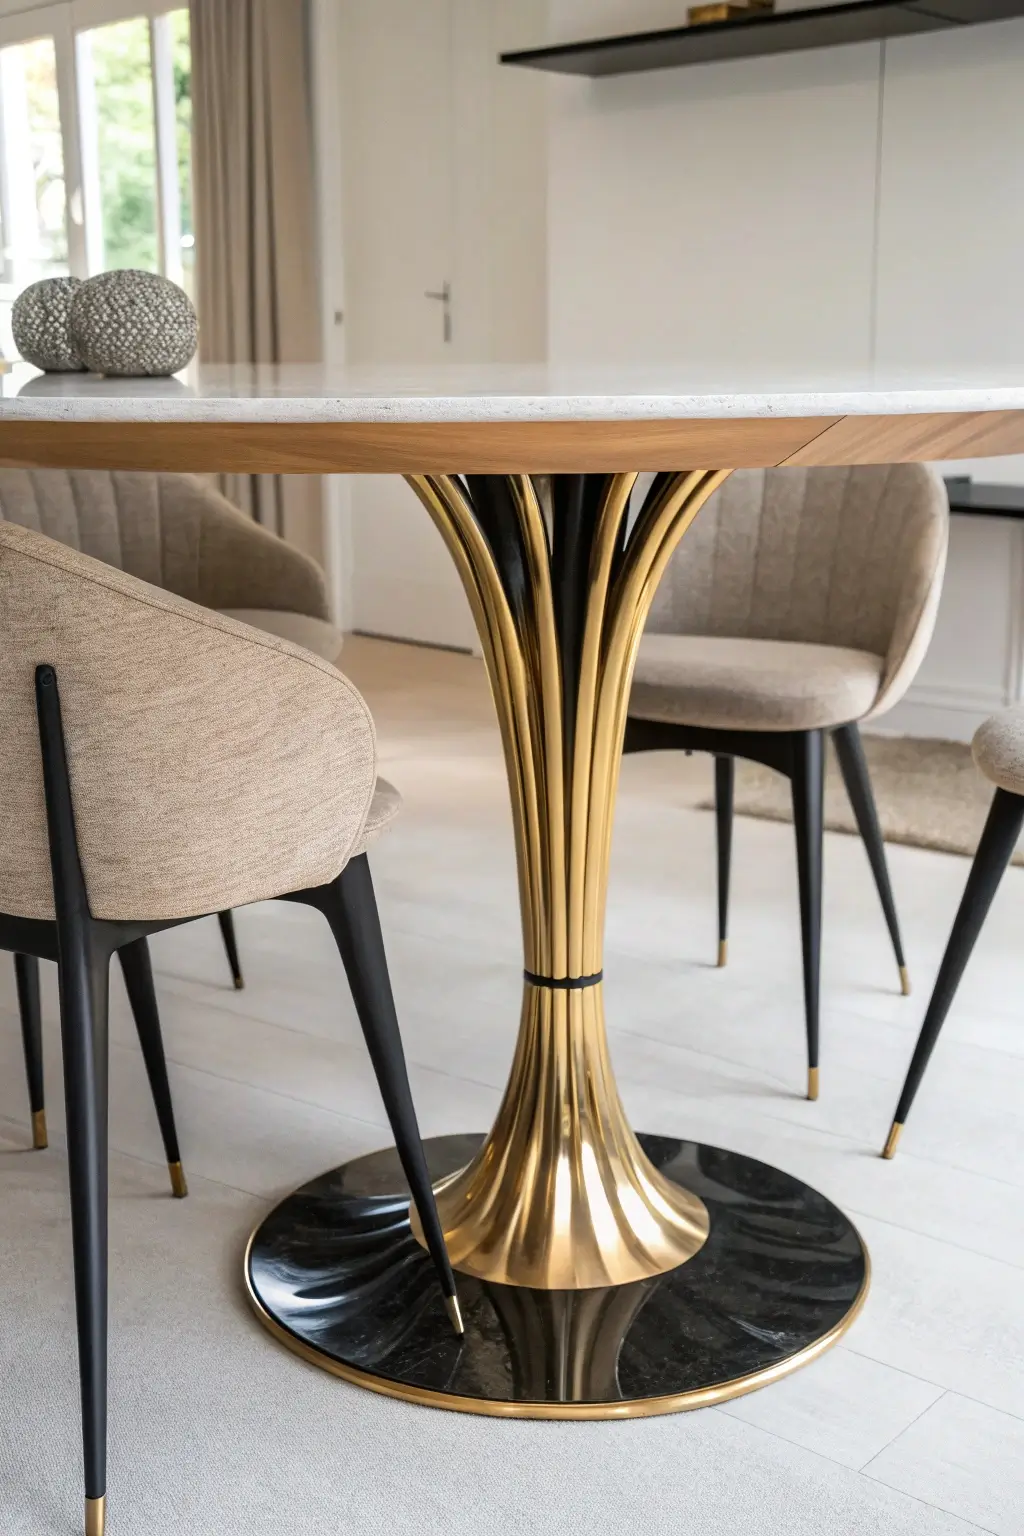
point(561, 1196)
point(40, 1140)
point(95, 1516)
point(895, 1131)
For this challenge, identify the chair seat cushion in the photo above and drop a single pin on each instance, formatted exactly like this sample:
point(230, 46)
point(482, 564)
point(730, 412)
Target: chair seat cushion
point(315, 634)
point(998, 748)
point(384, 807)
point(752, 685)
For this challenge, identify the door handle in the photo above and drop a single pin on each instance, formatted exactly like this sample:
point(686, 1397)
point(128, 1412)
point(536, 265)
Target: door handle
point(444, 296)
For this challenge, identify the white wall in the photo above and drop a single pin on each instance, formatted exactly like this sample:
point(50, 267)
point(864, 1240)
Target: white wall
point(814, 212)
point(432, 166)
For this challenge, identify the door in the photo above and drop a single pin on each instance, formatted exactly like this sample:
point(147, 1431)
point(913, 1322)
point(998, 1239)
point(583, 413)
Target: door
point(399, 248)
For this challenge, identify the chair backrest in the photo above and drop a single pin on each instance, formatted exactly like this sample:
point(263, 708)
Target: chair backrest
point(210, 764)
point(175, 531)
point(847, 557)
point(120, 518)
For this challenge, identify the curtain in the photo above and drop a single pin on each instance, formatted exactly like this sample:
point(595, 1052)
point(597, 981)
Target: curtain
point(253, 186)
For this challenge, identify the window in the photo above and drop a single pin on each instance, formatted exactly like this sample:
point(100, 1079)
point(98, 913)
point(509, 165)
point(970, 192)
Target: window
point(95, 143)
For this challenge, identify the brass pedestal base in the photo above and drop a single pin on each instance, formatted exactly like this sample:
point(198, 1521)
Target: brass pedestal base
point(336, 1275)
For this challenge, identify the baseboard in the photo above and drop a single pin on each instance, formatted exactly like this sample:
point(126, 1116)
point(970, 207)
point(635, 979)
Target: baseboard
point(934, 710)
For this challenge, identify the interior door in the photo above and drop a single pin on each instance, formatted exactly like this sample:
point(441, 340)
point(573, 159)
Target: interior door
point(399, 248)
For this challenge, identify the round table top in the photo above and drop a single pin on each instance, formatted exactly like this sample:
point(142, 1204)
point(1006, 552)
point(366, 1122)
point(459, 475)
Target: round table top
point(502, 419)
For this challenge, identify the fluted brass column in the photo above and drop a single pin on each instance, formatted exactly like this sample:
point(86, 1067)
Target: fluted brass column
point(561, 1195)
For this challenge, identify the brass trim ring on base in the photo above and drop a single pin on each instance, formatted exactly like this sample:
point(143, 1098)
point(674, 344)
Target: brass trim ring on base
point(784, 1275)
point(639, 1408)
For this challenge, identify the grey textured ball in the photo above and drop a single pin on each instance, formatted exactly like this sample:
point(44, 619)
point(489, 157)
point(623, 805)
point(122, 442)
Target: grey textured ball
point(135, 324)
point(41, 323)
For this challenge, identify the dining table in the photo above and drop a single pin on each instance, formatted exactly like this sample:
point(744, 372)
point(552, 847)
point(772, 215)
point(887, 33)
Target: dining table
point(603, 1272)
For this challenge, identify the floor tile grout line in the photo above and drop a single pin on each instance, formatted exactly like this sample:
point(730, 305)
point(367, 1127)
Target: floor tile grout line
point(941, 1509)
point(59, 1143)
point(729, 1411)
point(285, 1029)
point(942, 1387)
point(289, 1098)
point(771, 1434)
point(943, 1392)
point(930, 1237)
point(774, 1119)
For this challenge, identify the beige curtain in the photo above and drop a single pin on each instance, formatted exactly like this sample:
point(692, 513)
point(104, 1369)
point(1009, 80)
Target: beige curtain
point(256, 274)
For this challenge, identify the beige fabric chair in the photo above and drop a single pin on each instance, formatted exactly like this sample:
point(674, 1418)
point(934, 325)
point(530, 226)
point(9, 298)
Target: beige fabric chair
point(799, 599)
point(801, 602)
point(158, 762)
point(999, 754)
point(177, 532)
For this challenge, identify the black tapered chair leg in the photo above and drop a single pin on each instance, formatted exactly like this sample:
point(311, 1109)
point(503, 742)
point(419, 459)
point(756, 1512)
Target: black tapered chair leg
point(995, 850)
point(83, 970)
point(854, 768)
point(725, 786)
point(84, 995)
point(808, 789)
point(227, 933)
point(26, 973)
point(138, 980)
point(351, 910)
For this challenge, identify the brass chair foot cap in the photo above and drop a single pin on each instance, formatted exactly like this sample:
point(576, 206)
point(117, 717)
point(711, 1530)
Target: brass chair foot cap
point(95, 1516)
point(812, 1082)
point(179, 1189)
point(904, 981)
point(40, 1140)
point(723, 951)
point(455, 1313)
point(239, 983)
point(893, 1137)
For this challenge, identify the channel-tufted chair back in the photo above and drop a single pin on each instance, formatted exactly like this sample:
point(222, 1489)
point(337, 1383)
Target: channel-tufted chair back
point(174, 531)
point(846, 557)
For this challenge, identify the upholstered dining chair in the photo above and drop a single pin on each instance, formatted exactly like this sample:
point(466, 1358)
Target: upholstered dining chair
point(179, 533)
point(998, 750)
point(159, 762)
point(799, 604)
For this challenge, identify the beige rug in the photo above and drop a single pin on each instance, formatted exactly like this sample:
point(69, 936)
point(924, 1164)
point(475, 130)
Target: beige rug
point(929, 794)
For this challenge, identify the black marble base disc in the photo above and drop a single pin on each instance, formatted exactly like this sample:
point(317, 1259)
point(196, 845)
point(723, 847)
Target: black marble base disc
point(336, 1274)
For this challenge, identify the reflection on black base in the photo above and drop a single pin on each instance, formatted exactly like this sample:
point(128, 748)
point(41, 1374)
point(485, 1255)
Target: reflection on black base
point(336, 1274)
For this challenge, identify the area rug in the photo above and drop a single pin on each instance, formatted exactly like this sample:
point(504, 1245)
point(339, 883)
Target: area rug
point(929, 794)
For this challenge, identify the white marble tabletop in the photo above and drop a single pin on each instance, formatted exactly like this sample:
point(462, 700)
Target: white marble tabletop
point(495, 393)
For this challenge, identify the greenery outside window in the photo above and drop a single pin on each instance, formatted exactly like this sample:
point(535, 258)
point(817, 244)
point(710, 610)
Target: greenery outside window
point(95, 143)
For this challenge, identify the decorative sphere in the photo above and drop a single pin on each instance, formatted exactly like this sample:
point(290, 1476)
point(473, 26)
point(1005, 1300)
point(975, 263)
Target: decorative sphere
point(135, 324)
point(41, 323)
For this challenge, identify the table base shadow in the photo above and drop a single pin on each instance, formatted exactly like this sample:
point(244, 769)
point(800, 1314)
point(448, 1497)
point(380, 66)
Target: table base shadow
point(335, 1274)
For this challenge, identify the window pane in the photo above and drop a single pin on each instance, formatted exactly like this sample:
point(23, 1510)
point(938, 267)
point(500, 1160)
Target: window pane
point(120, 104)
point(32, 204)
point(182, 53)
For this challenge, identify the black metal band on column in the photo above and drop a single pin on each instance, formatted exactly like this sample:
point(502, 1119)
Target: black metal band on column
point(563, 983)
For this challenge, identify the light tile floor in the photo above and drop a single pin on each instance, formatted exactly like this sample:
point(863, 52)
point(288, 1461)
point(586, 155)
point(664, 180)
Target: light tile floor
point(919, 1413)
